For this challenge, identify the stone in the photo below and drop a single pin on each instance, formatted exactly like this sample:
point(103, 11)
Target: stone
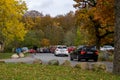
point(66, 63)
point(14, 56)
point(98, 67)
point(83, 66)
point(21, 55)
point(37, 61)
point(53, 62)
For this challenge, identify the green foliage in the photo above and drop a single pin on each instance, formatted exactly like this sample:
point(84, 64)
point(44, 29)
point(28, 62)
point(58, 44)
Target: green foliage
point(32, 38)
point(45, 72)
point(70, 38)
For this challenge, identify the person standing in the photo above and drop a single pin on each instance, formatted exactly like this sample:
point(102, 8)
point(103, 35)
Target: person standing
point(18, 50)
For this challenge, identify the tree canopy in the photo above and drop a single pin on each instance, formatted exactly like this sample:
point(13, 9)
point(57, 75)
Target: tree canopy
point(95, 18)
point(11, 27)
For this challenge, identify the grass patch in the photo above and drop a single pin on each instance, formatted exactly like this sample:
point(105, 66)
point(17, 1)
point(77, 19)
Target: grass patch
point(8, 55)
point(19, 71)
point(5, 55)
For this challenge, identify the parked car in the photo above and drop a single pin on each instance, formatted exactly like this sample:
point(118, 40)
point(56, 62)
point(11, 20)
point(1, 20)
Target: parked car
point(84, 52)
point(52, 49)
point(71, 48)
point(61, 50)
point(25, 49)
point(32, 51)
point(107, 47)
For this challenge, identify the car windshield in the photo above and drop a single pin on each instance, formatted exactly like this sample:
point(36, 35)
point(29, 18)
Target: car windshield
point(62, 47)
point(89, 48)
point(107, 46)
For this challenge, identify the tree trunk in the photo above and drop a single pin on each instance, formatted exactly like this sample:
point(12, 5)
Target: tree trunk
point(116, 62)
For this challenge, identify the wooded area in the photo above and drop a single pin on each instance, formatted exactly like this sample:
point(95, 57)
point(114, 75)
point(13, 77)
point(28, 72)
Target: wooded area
point(92, 24)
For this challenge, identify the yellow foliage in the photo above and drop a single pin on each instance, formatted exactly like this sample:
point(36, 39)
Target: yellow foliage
point(11, 14)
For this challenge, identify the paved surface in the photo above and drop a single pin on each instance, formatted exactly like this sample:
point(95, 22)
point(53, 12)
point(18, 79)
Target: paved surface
point(45, 57)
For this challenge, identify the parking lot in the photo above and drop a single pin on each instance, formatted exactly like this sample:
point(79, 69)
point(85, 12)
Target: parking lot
point(45, 57)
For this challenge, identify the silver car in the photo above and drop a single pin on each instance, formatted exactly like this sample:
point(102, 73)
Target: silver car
point(106, 47)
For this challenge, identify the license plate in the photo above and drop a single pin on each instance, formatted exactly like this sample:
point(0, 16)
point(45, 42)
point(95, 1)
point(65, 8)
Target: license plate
point(89, 52)
point(62, 50)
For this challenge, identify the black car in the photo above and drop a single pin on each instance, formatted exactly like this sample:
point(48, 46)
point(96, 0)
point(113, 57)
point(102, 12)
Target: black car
point(84, 52)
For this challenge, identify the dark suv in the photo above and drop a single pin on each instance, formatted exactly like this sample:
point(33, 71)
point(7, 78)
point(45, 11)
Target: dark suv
point(84, 52)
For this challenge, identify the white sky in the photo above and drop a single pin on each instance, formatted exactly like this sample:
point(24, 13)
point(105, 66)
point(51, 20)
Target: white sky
point(52, 7)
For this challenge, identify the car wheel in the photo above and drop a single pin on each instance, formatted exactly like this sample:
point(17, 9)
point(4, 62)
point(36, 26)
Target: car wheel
point(55, 55)
point(79, 59)
point(71, 58)
point(95, 59)
point(86, 59)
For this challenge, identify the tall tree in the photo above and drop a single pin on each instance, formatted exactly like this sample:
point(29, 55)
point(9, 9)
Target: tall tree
point(116, 63)
point(11, 27)
point(95, 20)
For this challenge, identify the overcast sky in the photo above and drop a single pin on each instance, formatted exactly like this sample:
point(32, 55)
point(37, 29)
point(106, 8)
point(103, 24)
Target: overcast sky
point(52, 7)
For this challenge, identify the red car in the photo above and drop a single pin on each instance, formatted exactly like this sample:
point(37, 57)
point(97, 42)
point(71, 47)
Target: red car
point(32, 51)
point(71, 48)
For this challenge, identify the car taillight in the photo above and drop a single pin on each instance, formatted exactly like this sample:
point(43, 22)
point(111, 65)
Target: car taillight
point(82, 52)
point(96, 52)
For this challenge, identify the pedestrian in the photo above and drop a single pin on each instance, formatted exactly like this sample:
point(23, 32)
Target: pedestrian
point(18, 50)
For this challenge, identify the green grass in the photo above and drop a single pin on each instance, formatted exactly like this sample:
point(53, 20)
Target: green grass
point(21, 71)
point(8, 55)
point(5, 55)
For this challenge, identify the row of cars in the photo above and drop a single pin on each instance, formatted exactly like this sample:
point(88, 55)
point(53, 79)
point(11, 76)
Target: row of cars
point(79, 53)
point(76, 53)
point(54, 49)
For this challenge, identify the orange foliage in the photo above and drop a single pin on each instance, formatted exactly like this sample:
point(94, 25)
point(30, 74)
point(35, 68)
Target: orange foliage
point(45, 42)
point(105, 12)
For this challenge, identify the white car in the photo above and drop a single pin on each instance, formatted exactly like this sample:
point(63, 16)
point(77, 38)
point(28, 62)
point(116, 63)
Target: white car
point(106, 47)
point(25, 49)
point(61, 50)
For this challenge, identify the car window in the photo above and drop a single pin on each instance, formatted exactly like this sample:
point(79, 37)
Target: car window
point(89, 48)
point(62, 47)
point(107, 46)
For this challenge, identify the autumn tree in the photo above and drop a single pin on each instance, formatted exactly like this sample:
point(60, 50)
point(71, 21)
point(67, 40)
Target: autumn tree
point(11, 27)
point(32, 19)
point(97, 25)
